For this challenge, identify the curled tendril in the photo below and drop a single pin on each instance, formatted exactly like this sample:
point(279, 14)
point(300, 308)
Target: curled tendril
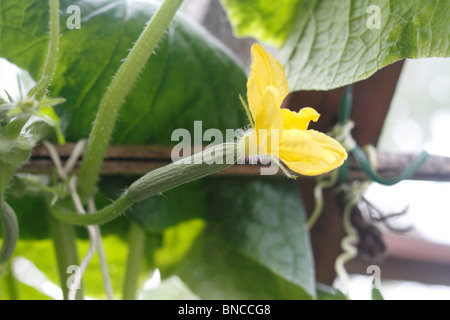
point(353, 194)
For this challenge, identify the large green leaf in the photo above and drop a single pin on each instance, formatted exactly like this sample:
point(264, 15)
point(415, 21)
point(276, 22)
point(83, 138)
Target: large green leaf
point(264, 220)
point(253, 244)
point(190, 77)
point(213, 270)
point(331, 45)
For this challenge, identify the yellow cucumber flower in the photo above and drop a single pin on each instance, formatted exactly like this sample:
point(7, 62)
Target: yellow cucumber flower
point(280, 133)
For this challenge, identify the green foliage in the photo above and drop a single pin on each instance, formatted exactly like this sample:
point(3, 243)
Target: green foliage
point(330, 43)
point(251, 243)
point(225, 238)
point(230, 238)
point(245, 237)
point(190, 77)
point(213, 270)
point(31, 214)
point(180, 204)
point(265, 221)
point(41, 254)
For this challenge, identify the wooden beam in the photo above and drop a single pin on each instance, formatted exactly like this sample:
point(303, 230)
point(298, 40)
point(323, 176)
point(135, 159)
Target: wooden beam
point(436, 168)
point(140, 159)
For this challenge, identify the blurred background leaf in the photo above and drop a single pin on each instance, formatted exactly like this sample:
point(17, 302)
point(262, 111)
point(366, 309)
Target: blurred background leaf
point(190, 77)
point(35, 270)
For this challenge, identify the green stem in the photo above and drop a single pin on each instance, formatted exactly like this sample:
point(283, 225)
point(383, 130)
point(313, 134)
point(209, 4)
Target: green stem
point(104, 215)
point(345, 105)
point(6, 173)
point(11, 283)
point(39, 89)
point(199, 165)
point(10, 232)
point(115, 95)
point(8, 219)
point(134, 262)
point(66, 252)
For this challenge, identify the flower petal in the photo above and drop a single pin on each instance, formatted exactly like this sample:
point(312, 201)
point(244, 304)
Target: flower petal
point(270, 116)
point(266, 71)
point(299, 120)
point(310, 152)
point(269, 123)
